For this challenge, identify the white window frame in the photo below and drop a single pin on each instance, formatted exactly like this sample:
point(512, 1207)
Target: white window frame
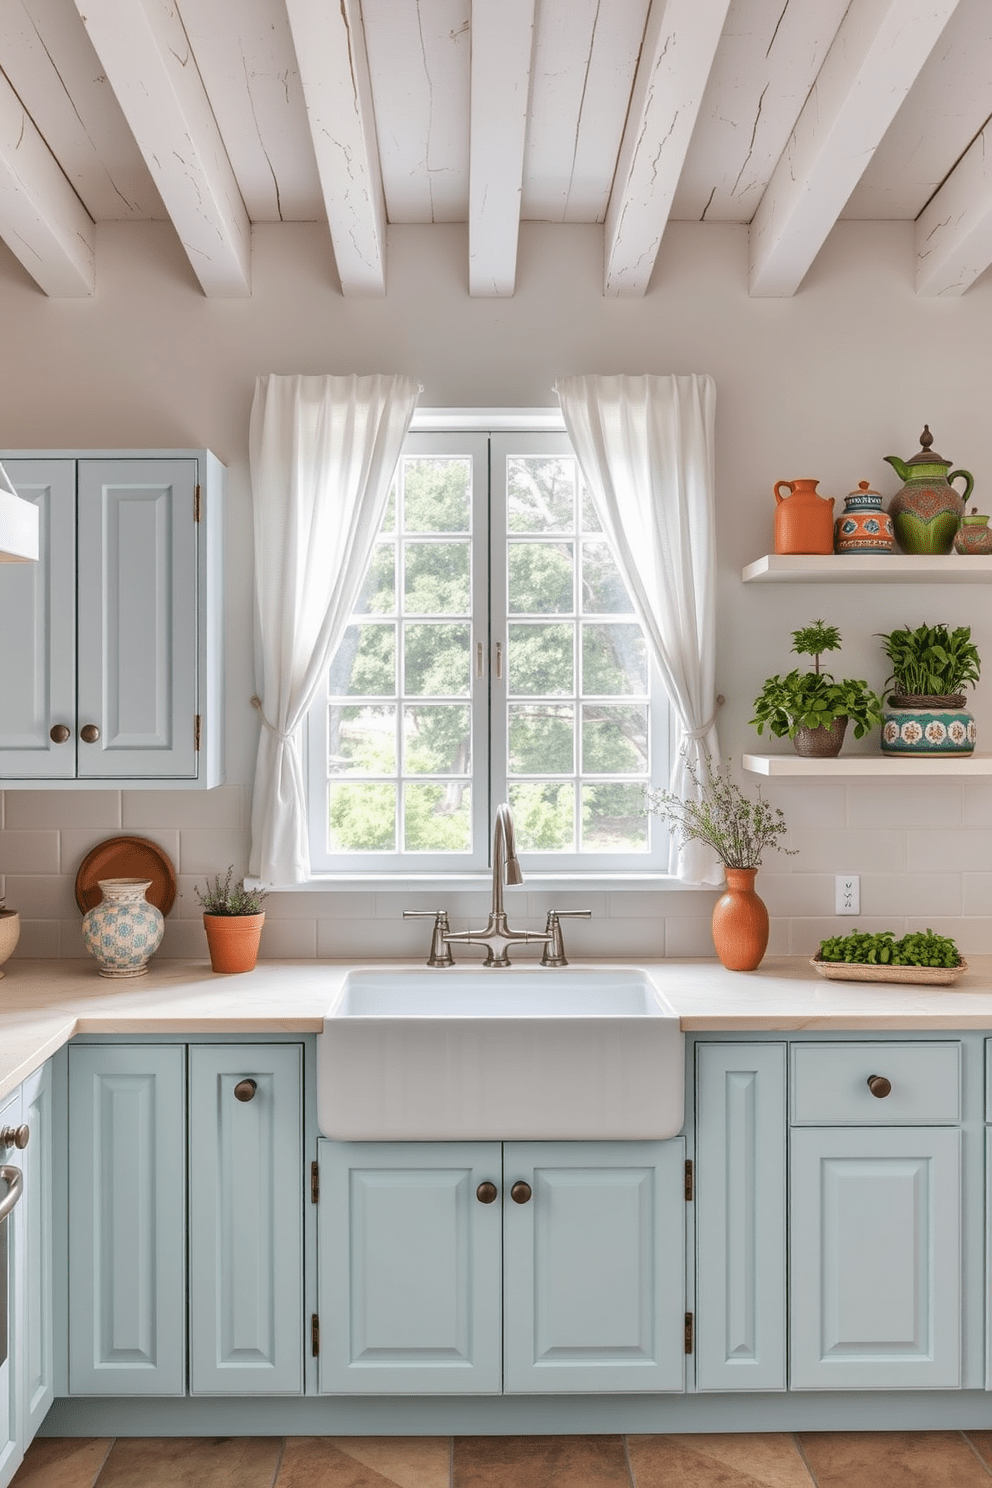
point(489, 774)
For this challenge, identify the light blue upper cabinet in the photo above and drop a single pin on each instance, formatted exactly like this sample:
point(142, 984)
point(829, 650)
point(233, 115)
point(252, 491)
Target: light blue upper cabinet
point(127, 1220)
point(118, 677)
point(246, 1219)
point(409, 1268)
point(740, 1203)
point(594, 1266)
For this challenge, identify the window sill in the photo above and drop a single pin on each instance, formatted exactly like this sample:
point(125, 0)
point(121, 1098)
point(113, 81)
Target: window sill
point(455, 883)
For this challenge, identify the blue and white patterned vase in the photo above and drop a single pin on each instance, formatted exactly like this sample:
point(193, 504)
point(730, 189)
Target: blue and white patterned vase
point(927, 725)
point(123, 930)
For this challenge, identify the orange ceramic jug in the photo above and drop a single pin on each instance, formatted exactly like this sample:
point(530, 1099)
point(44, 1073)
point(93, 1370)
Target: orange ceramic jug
point(804, 521)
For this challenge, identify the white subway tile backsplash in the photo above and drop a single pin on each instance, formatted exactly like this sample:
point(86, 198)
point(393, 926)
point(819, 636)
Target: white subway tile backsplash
point(972, 936)
point(38, 940)
point(848, 850)
point(288, 940)
point(912, 893)
point(688, 935)
point(224, 807)
point(805, 803)
point(184, 939)
point(206, 851)
point(41, 896)
point(968, 849)
point(33, 810)
point(29, 852)
point(287, 905)
point(976, 893)
point(905, 803)
point(787, 894)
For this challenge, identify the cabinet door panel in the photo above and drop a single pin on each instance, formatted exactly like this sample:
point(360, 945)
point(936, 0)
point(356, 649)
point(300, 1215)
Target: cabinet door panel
point(246, 1220)
point(38, 620)
point(37, 1386)
point(876, 1259)
point(409, 1270)
point(594, 1266)
point(137, 617)
point(127, 1216)
point(740, 1216)
point(11, 1314)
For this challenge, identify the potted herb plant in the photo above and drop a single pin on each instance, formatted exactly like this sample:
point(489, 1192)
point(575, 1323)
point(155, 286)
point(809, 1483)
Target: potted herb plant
point(925, 712)
point(812, 708)
point(232, 917)
point(740, 831)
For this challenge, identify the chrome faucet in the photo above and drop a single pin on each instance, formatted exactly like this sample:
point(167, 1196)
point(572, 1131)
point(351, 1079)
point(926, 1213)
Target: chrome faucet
point(497, 935)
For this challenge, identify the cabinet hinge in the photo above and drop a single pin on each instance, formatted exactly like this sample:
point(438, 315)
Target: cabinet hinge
point(196, 734)
point(315, 1335)
point(688, 1181)
point(314, 1183)
point(196, 504)
point(688, 1332)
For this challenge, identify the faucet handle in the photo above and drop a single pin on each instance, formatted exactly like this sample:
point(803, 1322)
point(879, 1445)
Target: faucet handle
point(440, 952)
point(554, 946)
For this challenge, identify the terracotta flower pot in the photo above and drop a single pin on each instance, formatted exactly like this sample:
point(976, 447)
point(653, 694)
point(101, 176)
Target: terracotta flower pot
point(740, 922)
point(233, 940)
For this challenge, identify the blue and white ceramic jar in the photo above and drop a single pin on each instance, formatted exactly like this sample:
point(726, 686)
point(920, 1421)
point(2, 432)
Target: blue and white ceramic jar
point(123, 930)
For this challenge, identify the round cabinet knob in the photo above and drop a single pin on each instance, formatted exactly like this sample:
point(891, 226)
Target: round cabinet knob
point(59, 733)
point(487, 1193)
point(89, 733)
point(520, 1192)
point(879, 1086)
point(245, 1090)
point(15, 1136)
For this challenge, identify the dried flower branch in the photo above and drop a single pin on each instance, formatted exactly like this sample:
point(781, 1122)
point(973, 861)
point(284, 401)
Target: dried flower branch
point(738, 829)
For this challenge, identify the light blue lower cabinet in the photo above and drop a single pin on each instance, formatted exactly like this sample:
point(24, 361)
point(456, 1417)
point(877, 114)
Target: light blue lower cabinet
point(12, 1249)
point(740, 1204)
point(127, 1220)
point(37, 1354)
point(246, 1219)
point(428, 1267)
point(875, 1258)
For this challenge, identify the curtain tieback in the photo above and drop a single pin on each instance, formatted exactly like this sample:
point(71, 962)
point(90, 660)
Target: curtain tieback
point(256, 703)
point(700, 733)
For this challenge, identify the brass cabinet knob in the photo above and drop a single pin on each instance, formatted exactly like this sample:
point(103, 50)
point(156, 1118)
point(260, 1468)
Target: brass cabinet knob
point(520, 1192)
point(487, 1193)
point(245, 1090)
point(59, 733)
point(89, 733)
point(15, 1136)
point(879, 1086)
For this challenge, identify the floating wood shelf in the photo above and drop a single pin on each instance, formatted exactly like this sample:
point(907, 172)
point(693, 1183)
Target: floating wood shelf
point(875, 568)
point(863, 766)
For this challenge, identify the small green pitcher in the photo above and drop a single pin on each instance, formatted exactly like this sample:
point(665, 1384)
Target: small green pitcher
point(927, 511)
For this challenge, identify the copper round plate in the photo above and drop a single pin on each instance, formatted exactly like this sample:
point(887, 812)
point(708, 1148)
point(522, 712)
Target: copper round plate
point(127, 857)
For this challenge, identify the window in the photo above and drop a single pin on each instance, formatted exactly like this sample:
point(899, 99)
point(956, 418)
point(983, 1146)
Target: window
point(493, 655)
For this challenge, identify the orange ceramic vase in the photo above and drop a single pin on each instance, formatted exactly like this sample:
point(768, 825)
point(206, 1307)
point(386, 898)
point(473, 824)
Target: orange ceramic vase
point(804, 520)
point(233, 940)
point(740, 922)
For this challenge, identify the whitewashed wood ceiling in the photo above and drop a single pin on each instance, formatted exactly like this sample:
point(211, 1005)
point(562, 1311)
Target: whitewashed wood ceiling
point(786, 115)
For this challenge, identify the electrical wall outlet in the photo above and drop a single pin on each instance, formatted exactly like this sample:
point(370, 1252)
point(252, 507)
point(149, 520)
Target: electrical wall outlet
point(847, 894)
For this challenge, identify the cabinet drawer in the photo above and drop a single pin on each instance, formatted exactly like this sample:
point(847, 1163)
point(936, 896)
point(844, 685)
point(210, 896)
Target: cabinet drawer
point(830, 1084)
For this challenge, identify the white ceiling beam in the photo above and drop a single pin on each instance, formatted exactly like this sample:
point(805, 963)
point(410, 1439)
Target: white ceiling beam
point(954, 231)
point(680, 42)
point(146, 55)
point(330, 52)
point(42, 220)
point(502, 49)
point(876, 56)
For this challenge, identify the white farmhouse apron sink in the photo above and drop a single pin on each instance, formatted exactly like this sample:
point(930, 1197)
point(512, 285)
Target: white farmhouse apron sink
point(469, 1053)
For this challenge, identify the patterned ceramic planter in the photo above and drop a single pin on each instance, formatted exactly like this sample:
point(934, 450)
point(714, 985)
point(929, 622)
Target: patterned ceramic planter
point(123, 930)
point(863, 527)
point(931, 726)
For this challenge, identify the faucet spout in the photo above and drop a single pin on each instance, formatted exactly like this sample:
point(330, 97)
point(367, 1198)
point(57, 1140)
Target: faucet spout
point(506, 868)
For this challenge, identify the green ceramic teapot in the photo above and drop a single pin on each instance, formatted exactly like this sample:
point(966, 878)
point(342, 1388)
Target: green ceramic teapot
point(927, 511)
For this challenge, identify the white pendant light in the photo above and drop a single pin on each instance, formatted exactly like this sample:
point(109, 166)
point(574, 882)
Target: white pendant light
point(18, 525)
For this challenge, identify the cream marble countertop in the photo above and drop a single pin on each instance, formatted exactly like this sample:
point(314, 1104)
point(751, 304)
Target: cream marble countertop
point(43, 1004)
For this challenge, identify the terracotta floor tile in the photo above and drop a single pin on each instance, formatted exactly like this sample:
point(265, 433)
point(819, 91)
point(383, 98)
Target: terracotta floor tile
point(982, 1443)
point(62, 1462)
point(365, 1462)
point(756, 1460)
point(540, 1462)
point(892, 1459)
point(192, 1462)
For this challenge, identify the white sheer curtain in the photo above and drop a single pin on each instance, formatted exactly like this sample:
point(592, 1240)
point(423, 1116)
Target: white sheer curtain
point(323, 451)
point(645, 449)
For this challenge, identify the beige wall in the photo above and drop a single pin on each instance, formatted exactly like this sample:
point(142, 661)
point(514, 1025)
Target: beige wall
point(821, 385)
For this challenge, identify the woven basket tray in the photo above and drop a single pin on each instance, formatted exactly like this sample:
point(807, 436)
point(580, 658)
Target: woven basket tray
point(854, 971)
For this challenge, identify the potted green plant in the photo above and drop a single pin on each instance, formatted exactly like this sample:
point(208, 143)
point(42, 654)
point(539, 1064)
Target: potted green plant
point(811, 708)
point(740, 831)
point(232, 917)
point(925, 712)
